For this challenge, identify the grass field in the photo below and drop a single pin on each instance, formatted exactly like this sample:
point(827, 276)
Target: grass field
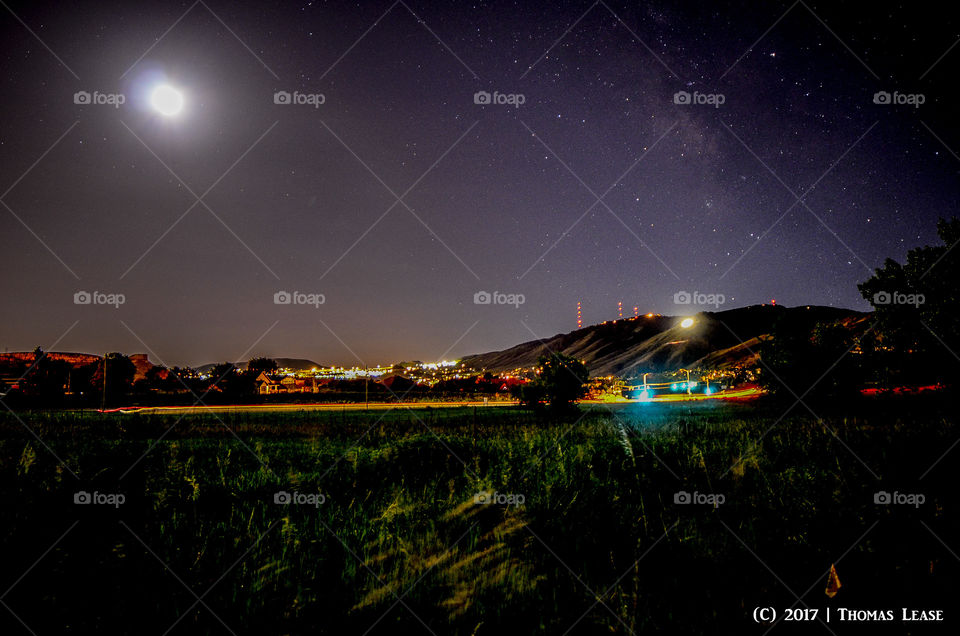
point(392, 532)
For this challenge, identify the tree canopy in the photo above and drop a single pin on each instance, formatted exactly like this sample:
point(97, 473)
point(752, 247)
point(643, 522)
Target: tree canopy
point(917, 312)
point(561, 381)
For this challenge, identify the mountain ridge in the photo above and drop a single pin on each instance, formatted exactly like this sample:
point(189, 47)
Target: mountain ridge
point(658, 343)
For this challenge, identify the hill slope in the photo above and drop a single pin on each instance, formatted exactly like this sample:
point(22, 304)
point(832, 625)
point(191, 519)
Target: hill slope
point(659, 343)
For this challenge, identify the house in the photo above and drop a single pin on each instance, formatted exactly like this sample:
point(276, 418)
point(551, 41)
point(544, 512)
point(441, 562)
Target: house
point(270, 385)
point(274, 384)
point(300, 385)
point(310, 385)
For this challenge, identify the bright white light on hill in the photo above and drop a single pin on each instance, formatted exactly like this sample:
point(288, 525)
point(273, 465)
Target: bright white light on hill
point(686, 323)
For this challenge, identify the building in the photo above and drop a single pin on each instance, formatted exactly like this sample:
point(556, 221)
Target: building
point(274, 384)
point(270, 385)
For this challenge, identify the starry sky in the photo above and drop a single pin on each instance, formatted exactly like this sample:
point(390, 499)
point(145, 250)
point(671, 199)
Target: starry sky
point(399, 197)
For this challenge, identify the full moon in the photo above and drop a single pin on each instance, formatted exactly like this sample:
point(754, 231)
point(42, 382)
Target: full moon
point(166, 100)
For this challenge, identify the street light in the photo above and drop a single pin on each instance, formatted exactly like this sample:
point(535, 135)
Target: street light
point(645, 394)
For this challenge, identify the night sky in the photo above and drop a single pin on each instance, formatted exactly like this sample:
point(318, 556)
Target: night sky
point(492, 197)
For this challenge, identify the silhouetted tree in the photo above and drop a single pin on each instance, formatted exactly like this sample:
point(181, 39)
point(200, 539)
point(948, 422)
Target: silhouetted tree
point(561, 381)
point(46, 380)
point(803, 358)
point(178, 377)
point(258, 365)
point(156, 377)
point(231, 383)
point(530, 394)
point(917, 312)
point(119, 378)
point(226, 380)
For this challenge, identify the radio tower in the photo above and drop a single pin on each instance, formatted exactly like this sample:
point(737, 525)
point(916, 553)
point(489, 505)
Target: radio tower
point(620, 309)
point(579, 317)
point(636, 312)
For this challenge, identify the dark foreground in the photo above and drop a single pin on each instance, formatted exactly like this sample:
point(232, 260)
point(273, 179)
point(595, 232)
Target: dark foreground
point(477, 521)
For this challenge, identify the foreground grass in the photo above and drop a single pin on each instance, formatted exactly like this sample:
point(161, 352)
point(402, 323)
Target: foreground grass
point(402, 545)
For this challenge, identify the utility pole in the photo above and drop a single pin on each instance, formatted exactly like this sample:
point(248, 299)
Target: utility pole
point(103, 403)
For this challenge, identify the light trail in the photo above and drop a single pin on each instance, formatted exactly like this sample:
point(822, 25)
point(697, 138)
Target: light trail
point(253, 408)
